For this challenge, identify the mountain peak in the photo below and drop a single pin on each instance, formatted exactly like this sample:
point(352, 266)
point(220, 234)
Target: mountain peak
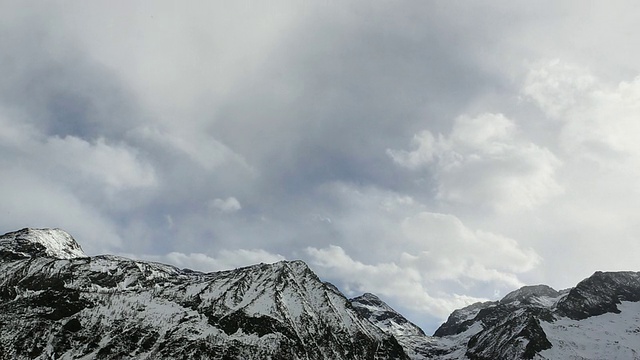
point(530, 294)
point(30, 242)
point(601, 293)
point(386, 318)
point(280, 310)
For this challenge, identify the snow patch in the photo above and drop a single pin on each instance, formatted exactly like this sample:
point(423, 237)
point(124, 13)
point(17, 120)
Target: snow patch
point(607, 336)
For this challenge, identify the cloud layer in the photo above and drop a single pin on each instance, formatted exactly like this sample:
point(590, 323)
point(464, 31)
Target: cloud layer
point(434, 153)
point(485, 163)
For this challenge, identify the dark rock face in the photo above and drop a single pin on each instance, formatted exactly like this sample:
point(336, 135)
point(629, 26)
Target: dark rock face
point(511, 328)
point(460, 320)
point(378, 312)
point(108, 307)
point(529, 295)
point(55, 302)
point(514, 335)
point(410, 336)
point(39, 243)
point(601, 293)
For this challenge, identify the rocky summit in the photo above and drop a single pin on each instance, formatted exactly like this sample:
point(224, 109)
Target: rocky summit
point(58, 303)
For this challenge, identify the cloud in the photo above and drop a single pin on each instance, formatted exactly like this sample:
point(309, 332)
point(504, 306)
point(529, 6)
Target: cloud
point(298, 119)
point(229, 205)
point(598, 119)
point(203, 150)
point(116, 166)
point(454, 251)
point(68, 182)
point(419, 260)
point(596, 139)
point(107, 167)
point(486, 161)
point(388, 280)
point(225, 260)
point(47, 204)
point(557, 86)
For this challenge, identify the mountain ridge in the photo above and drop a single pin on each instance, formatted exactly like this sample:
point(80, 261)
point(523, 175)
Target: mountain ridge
point(57, 302)
point(40, 242)
point(58, 306)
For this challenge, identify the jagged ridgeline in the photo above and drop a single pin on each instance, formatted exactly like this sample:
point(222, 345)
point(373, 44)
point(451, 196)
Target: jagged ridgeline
point(58, 303)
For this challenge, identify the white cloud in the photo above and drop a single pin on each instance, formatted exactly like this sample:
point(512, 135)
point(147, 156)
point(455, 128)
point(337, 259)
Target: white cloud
point(228, 205)
point(203, 150)
point(64, 182)
point(453, 251)
point(599, 121)
point(14, 133)
point(45, 204)
point(403, 285)
point(484, 161)
point(393, 245)
point(225, 260)
point(116, 166)
point(596, 131)
point(557, 86)
point(70, 159)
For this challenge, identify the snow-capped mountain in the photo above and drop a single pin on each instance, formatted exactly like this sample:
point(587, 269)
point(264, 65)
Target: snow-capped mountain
point(40, 242)
point(598, 319)
point(56, 303)
point(377, 311)
point(595, 320)
point(416, 344)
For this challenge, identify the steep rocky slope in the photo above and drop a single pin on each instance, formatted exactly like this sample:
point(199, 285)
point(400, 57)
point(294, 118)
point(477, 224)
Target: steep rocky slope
point(598, 319)
point(416, 344)
point(538, 322)
point(55, 302)
point(58, 303)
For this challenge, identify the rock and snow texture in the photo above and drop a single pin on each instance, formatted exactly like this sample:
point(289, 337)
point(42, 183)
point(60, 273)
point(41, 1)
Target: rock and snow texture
point(416, 344)
point(57, 304)
point(598, 319)
point(377, 311)
point(601, 293)
point(40, 242)
point(606, 336)
point(531, 295)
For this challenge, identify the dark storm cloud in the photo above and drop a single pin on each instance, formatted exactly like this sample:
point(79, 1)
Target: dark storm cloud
point(59, 87)
point(336, 92)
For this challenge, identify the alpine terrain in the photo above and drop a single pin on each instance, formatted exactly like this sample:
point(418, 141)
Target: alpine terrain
point(597, 319)
point(58, 303)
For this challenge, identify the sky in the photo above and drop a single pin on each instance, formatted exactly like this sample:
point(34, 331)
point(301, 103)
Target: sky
point(433, 153)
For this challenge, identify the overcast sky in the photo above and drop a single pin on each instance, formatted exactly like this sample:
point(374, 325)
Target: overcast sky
point(435, 153)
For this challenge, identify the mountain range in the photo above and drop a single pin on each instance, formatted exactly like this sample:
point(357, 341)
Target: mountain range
point(58, 303)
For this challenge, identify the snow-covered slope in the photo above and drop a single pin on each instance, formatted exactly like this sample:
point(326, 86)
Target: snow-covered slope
point(58, 303)
point(542, 295)
point(416, 344)
point(607, 336)
point(55, 304)
point(377, 311)
point(598, 319)
point(40, 242)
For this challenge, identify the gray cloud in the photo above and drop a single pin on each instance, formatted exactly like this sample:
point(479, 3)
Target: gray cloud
point(57, 87)
point(227, 133)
